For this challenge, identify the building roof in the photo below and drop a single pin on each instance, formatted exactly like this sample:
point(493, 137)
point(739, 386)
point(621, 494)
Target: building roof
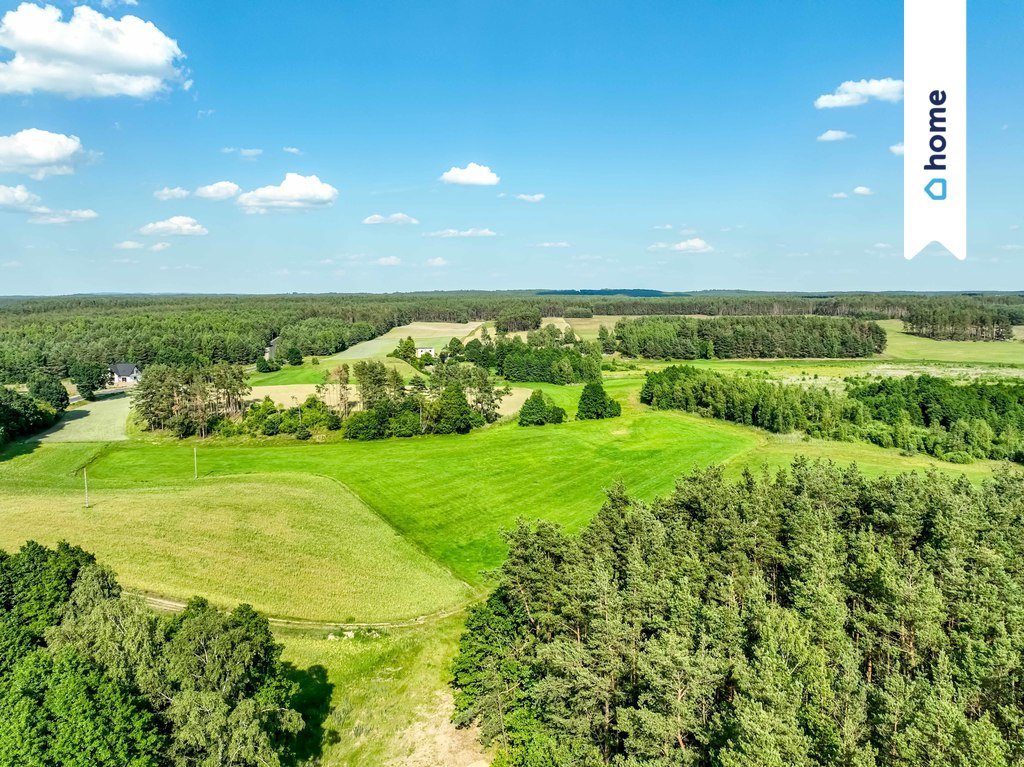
point(124, 369)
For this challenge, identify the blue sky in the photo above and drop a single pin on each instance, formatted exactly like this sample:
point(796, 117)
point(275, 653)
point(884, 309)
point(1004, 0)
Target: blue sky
point(626, 117)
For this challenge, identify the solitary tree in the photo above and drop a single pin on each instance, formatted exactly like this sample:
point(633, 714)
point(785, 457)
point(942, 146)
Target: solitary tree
point(595, 403)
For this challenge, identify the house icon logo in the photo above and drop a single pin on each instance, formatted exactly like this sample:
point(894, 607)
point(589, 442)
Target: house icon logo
point(936, 189)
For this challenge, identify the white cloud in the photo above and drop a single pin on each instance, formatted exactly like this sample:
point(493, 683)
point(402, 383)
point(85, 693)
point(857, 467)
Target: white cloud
point(46, 216)
point(472, 175)
point(171, 193)
point(437, 263)
point(112, 3)
point(863, 190)
point(88, 55)
point(129, 245)
point(11, 265)
point(389, 261)
point(897, 148)
point(291, 150)
point(1011, 247)
point(17, 198)
point(295, 192)
point(159, 247)
point(853, 93)
point(392, 218)
point(472, 232)
point(202, 114)
point(1014, 227)
point(184, 226)
point(693, 245)
point(839, 195)
point(558, 244)
point(881, 246)
point(221, 190)
point(835, 135)
point(663, 227)
point(530, 197)
point(246, 153)
point(39, 153)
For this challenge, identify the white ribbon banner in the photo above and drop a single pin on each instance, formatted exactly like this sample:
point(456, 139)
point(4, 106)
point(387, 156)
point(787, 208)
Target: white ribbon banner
point(935, 126)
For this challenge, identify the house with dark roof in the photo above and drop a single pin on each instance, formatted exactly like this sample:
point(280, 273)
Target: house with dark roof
point(125, 374)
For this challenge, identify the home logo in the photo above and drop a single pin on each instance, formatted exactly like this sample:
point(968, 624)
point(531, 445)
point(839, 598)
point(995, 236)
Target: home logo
point(935, 126)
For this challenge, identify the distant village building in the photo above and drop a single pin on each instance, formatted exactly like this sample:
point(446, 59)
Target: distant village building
point(125, 374)
point(421, 350)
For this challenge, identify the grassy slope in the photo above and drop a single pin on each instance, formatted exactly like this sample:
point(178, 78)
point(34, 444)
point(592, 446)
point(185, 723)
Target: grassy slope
point(292, 546)
point(100, 421)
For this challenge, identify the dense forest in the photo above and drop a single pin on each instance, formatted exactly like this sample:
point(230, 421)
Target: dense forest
point(90, 677)
point(951, 321)
point(56, 334)
point(747, 337)
point(814, 618)
point(955, 422)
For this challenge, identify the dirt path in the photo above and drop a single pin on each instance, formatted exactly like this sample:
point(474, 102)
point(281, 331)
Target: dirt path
point(164, 604)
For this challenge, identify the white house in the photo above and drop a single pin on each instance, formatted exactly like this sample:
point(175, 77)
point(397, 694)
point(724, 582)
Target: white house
point(125, 374)
point(421, 350)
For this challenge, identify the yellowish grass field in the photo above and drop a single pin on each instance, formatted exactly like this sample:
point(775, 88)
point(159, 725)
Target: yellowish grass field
point(299, 546)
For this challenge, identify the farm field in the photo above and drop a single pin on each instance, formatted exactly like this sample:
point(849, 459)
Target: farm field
point(903, 346)
point(436, 334)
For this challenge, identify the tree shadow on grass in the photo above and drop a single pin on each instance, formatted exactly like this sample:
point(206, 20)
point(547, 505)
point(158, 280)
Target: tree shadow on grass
point(313, 701)
point(17, 449)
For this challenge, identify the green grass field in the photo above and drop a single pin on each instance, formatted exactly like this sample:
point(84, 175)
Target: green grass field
point(903, 346)
point(345, 532)
point(293, 546)
point(103, 420)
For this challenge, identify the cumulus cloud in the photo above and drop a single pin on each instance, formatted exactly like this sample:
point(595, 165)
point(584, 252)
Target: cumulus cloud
point(221, 190)
point(389, 261)
point(182, 226)
point(295, 192)
point(391, 218)
point(863, 190)
point(472, 232)
point(88, 55)
point(558, 244)
point(472, 175)
point(835, 135)
point(291, 150)
point(17, 198)
point(853, 93)
point(112, 3)
point(530, 197)
point(159, 247)
point(171, 193)
point(897, 148)
point(129, 245)
point(693, 245)
point(436, 263)
point(39, 153)
point(46, 216)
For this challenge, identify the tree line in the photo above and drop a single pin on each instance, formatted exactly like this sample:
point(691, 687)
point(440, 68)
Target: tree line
point(368, 401)
point(23, 413)
point(963, 322)
point(809, 619)
point(954, 422)
point(55, 334)
point(90, 677)
point(746, 337)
